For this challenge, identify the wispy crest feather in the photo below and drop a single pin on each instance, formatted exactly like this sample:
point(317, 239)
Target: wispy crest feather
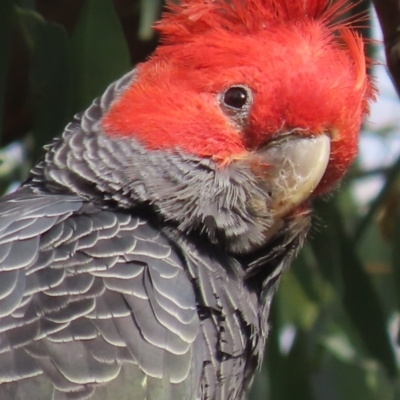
point(191, 17)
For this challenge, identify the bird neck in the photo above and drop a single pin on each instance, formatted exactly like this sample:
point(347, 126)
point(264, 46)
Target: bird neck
point(227, 205)
point(189, 192)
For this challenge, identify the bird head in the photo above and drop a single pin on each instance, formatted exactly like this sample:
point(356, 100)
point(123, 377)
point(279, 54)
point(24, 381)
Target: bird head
point(274, 87)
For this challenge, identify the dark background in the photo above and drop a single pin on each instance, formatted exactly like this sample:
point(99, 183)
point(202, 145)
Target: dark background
point(335, 319)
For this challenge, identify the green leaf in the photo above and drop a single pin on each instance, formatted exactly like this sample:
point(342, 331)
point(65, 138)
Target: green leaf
point(259, 390)
point(296, 306)
point(360, 301)
point(6, 16)
point(396, 257)
point(327, 250)
point(295, 376)
point(274, 359)
point(304, 268)
point(298, 370)
point(289, 375)
point(149, 13)
point(50, 77)
point(360, 381)
point(99, 52)
point(27, 4)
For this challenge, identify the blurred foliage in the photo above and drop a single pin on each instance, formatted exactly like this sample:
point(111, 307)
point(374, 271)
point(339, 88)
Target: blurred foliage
point(335, 321)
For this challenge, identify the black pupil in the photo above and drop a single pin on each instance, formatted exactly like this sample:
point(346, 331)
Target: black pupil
point(235, 97)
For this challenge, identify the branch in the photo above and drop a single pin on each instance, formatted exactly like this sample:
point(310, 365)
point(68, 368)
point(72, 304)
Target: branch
point(389, 17)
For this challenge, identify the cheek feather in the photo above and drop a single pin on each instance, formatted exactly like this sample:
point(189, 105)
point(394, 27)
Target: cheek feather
point(355, 47)
point(164, 116)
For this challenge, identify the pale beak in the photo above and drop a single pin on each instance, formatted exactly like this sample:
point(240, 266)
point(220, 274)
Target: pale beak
point(295, 166)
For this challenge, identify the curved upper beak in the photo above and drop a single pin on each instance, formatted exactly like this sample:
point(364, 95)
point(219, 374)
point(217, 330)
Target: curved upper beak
point(295, 166)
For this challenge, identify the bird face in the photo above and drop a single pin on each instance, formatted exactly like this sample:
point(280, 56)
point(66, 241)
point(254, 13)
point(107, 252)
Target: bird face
point(287, 101)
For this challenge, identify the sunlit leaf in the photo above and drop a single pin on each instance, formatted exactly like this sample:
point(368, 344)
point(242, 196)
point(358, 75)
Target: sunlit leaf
point(339, 345)
point(149, 13)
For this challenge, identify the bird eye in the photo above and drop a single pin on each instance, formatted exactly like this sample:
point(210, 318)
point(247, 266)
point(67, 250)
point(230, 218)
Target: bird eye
point(236, 97)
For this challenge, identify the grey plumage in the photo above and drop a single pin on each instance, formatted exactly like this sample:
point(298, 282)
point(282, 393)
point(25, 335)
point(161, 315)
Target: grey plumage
point(112, 276)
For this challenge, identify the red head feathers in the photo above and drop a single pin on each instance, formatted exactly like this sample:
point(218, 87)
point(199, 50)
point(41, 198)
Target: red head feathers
point(305, 73)
point(196, 17)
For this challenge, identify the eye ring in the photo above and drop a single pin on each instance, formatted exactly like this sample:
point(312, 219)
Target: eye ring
point(237, 97)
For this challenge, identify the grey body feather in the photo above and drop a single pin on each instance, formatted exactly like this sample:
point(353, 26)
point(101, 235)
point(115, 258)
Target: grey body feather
point(115, 284)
